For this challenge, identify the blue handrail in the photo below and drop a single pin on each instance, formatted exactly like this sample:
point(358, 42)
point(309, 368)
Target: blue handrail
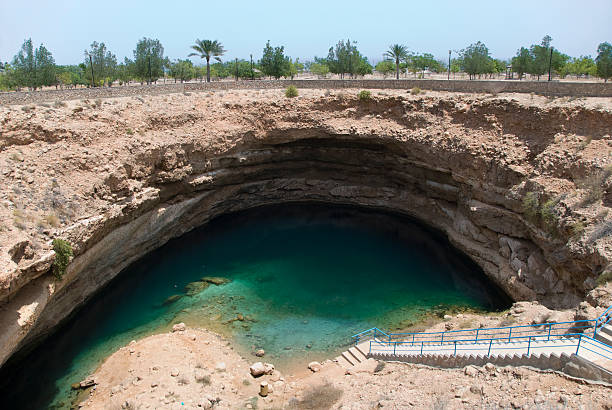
point(576, 332)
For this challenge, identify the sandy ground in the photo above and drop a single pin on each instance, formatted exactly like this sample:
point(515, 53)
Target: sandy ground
point(194, 368)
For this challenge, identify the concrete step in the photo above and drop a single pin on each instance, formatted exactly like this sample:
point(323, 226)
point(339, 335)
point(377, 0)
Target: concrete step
point(363, 349)
point(349, 358)
point(606, 329)
point(604, 338)
point(357, 354)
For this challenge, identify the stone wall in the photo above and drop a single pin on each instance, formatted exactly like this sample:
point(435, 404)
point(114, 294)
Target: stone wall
point(465, 86)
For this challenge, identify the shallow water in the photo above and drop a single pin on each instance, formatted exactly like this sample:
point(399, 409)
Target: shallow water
point(304, 278)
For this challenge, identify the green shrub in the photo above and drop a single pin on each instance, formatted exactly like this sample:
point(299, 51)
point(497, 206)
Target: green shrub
point(549, 216)
point(63, 253)
point(291, 91)
point(531, 205)
point(415, 91)
point(365, 95)
point(604, 278)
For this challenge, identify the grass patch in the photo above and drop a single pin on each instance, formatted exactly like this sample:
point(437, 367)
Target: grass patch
point(415, 91)
point(365, 95)
point(319, 397)
point(507, 321)
point(291, 91)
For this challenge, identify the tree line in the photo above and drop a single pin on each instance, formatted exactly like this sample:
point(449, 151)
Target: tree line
point(34, 68)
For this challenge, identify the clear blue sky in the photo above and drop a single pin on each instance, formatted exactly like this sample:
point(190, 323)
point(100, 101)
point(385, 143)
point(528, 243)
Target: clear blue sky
point(305, 28)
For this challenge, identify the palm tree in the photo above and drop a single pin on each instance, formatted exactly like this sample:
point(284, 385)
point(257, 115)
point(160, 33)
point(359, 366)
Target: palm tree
point(397, 52)
point(207, 49)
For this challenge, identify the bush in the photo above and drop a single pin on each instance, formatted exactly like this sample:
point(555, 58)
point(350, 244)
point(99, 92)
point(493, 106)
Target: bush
point(365, 95)
point(604, 278)
point(531, 204)
point(415, 91)
point(63, 253)
point(291, 91)
point(549, 216)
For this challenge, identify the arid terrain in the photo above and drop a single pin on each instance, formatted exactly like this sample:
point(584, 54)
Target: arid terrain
point(520, 183)
point(196, 369)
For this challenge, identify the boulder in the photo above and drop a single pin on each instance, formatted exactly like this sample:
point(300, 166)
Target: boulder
point(221, 367)
point(268, 368)
point(194, 288)
point(314, 366)
point(257, 369)
point(260, 353)
point(179, 327)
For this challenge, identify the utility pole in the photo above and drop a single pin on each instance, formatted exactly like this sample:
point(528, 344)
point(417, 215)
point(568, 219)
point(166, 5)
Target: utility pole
point(93, 80)
point(236, 69)
point(252, 72)
point(150, 81)
point(449, 63)
point(550, 65)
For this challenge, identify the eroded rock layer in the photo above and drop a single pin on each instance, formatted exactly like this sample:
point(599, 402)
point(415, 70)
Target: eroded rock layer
point(520, 184)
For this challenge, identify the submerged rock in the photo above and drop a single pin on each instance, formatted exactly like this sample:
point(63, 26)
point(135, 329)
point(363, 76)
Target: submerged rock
point(193, 288)
point(171, 299)
point(216, 280)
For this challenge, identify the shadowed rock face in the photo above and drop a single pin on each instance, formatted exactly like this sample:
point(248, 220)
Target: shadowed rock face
point(129, 175)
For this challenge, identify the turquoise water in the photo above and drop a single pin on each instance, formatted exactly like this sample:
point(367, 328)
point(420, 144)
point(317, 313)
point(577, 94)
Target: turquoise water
point(301, 280)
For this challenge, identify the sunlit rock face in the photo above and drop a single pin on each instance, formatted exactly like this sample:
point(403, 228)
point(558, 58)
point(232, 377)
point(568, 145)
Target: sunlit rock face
point(121, 178)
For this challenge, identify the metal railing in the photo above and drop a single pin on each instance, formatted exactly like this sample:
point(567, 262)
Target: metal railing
point(526, 338)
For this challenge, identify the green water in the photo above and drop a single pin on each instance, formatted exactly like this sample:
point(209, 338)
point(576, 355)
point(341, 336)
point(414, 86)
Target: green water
point(303, 279)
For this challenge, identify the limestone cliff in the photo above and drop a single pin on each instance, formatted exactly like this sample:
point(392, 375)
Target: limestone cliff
point(118, 178)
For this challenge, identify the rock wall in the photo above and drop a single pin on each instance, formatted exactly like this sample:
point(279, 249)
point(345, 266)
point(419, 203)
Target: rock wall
point(555, 88)
point(149, 192)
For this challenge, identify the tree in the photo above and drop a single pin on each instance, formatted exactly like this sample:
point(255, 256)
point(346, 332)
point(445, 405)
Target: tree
point(385, 67)
point(24, 66)
point(148, 60)
point(274, 63)
point(319, 69)
point(604, 61)
point(397, 52)
point(521, 63)
point(104, 64)
point(182, 70)
point(541, 58)
point(344, 58)
point(45, 67)
point(206, 49)
point(33, 68)
point(475, 59)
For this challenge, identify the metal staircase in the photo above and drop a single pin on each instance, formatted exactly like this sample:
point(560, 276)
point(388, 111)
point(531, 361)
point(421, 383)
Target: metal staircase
point(545, 346)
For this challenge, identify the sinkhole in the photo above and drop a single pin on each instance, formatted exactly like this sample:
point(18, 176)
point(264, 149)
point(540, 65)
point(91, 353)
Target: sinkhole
point(294, 279)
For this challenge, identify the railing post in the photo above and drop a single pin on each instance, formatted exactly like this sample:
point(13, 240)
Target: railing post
point(421, 348)
point(509, 335)
point(578, 347)
point(442, 340)
point(455, 354)
point(529, 346)
point(490, 343)
point(394, 346)
point(413, 339)
point(549, 329)
point(477, 330)
point(370, 351)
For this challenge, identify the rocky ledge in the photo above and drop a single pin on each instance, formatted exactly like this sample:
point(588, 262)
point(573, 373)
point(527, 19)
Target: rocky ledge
point(521, 184)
